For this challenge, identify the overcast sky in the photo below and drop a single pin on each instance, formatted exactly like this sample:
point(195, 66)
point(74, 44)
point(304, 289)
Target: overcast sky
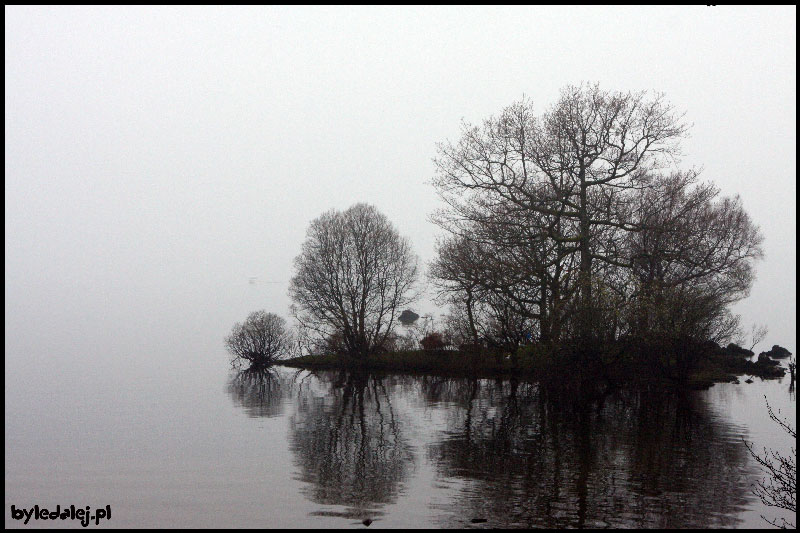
point(158, 157)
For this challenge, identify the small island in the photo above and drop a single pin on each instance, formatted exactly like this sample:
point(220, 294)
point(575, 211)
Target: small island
point(575, 250)
point(714, 364)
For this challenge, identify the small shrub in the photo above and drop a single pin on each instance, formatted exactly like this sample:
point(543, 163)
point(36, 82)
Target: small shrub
point(260, 341)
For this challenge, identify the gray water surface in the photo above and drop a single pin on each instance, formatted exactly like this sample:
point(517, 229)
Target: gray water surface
point(201, 446)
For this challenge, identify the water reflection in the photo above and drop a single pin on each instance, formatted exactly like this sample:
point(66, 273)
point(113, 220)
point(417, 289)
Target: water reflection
point(349, 443)
point(513, 453)
point(533, 458)
point(262, 392)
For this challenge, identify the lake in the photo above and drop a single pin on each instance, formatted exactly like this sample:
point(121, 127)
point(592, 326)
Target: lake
point(174, 445)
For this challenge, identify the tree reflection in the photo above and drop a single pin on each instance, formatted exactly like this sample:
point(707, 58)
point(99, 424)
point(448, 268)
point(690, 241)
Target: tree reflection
point(536, 457)
point(522, 454)
point(261, 392)
point(349, 444)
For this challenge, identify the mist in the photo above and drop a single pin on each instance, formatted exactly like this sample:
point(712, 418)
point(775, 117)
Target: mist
point(158, 158)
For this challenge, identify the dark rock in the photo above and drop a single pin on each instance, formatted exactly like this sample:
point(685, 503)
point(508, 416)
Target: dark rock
point(765, 368)
point(777, 352)
point(736, 350)
point(478, 520)
point(408, 317)
point(367, 522)
point(764, 359)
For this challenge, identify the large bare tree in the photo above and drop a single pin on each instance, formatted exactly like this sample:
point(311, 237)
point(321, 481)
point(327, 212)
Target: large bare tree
point(353, 276)
point(579, 221)
point(577, 164)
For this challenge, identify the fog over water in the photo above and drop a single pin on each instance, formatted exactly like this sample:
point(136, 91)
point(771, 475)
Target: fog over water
point(157, 159)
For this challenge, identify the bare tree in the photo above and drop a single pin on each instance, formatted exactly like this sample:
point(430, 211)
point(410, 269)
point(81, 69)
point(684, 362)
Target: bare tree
point(757, 334)
point(780, 488)
point(260, 341)
point(691, 258)
point(352, 277)
point(577, 164)
point(500, 262)
point(458, 275)
point(577, 221)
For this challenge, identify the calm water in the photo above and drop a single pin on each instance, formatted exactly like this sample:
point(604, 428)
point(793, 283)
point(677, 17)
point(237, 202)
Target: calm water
point(198, 446)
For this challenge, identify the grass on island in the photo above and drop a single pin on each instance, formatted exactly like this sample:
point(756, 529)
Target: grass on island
point(444, 362)
point(533, 362)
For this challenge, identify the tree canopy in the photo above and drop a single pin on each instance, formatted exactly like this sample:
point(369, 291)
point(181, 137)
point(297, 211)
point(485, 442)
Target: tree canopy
point(578, 225)
point(353, 275)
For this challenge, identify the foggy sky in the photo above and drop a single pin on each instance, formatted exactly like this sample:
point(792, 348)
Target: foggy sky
point(156, 158)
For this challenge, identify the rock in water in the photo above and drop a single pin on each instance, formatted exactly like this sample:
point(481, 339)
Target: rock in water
point(408, 317)
point(777, 352)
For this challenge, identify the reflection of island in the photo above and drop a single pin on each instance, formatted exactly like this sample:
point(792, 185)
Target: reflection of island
point(349, 445)
point(260, 392)
point(521, 454)
point(637, 459)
